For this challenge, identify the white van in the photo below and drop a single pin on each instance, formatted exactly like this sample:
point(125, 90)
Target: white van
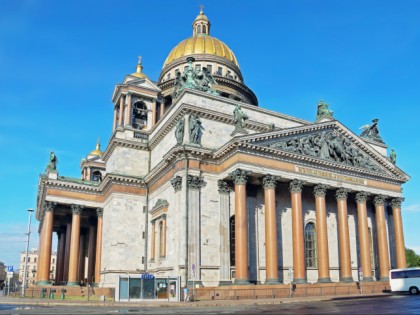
point(405, 280)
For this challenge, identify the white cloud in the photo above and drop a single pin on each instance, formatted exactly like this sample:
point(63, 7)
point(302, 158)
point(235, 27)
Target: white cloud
point(412, 208)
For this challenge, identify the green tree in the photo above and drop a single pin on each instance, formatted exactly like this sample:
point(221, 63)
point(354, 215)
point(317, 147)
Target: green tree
point(413, 260)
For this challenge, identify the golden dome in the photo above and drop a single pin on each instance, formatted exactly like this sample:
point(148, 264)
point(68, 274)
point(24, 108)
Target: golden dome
point(201, 44)
point(97, 151)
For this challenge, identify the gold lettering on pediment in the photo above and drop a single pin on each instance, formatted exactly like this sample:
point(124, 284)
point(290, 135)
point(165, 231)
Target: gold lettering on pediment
point(329, 175)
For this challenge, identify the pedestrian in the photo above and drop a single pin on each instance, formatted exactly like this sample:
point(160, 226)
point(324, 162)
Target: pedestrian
point(186, 294)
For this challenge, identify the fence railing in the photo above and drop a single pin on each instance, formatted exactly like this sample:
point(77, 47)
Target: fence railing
point(289, 291)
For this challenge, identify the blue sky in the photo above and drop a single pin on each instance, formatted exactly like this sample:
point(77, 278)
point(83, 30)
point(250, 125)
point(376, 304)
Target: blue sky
point(60, 60)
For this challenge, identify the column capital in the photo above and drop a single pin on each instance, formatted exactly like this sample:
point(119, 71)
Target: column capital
point(296, 186)
point(342, 193)
point(240, 177)
point(76, 209)
point(49, 206)
point(361, 197)
point(320, 190)
point(270, 181)
point(194, 182)
point(396, 202)
point(100, 212)
point(379, 200)
point(176, 183)
point(224, 187)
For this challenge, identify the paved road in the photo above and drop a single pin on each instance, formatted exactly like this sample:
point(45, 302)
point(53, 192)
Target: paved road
point(401, 304)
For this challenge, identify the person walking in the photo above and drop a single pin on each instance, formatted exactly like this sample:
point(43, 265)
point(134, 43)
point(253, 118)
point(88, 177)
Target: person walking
point(186, 294)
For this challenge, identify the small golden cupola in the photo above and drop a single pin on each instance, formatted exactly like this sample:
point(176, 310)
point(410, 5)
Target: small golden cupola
point(139, 70)
point(97, 151)
point(201, 24)
point(93, 167)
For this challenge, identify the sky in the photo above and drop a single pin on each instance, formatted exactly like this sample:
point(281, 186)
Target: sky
point(60, 61)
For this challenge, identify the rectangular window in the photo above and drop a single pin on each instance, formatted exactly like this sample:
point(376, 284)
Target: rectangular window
point(144, 234)
point(197, 67)
point(210, 68)
point(169, 76)
point(176, 71)
point(219, 70)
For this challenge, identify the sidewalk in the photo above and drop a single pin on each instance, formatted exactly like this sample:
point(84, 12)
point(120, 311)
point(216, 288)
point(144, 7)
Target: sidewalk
point(157, 303)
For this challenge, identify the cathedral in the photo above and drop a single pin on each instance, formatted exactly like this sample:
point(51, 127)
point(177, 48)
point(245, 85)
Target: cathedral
point(201, 186)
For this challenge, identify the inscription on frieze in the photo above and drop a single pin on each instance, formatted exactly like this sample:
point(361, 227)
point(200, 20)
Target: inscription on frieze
point(329, 175)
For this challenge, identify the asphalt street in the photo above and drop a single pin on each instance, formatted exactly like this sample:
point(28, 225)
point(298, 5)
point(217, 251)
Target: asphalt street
point(399, 304)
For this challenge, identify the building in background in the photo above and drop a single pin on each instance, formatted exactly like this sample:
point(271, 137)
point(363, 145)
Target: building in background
point(31, 272)
point(201, 184)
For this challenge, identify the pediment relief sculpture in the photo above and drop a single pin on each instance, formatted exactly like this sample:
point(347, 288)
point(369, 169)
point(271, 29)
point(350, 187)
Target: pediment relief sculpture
point(327, 145)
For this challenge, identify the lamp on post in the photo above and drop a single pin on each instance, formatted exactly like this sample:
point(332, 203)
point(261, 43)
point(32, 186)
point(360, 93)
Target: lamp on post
point(26, 255)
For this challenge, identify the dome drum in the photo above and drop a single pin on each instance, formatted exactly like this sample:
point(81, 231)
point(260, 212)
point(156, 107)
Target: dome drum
point(217, 64)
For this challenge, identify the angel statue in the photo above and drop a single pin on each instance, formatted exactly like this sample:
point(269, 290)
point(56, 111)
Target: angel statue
point(52, 164)
point(371, 131)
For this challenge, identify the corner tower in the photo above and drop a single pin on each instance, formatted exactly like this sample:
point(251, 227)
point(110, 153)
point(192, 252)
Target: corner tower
point(208, 52)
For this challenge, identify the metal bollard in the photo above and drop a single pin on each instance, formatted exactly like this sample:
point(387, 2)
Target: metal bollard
point(43, 291)
point(63, 291)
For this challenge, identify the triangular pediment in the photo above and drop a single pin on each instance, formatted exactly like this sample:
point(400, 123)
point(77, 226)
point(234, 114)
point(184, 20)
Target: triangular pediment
point(141, 82)
point(329, 144)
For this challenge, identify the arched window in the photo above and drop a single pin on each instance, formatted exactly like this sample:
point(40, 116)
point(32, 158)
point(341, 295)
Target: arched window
point(139, 115)
point(310, 245)
point(232, 239)
point(198, 29)
point(96, 176)
point(204, 29)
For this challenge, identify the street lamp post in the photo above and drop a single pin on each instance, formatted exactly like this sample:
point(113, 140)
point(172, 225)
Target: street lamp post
point(26, 256)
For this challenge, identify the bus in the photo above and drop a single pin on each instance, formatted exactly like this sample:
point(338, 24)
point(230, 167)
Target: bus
point(405, 280)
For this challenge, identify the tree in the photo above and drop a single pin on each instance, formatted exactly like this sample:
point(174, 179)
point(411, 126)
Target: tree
point(413, 260)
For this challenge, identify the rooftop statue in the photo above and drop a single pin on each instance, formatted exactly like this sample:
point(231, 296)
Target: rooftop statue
point(371, 131)
point(239, 118)
point(393, 157)
point(52, 164)
point(196, 79)
point(323, 111)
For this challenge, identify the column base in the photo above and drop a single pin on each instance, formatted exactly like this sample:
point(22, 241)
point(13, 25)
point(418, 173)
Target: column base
point(241, 282)
point(367, 279)
point(324, 280)
point(224, 283)
point(384, 279)
point(299, 281)
point(43, 282)
point(73, 284)
point(347, 279)
point(272, 281)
